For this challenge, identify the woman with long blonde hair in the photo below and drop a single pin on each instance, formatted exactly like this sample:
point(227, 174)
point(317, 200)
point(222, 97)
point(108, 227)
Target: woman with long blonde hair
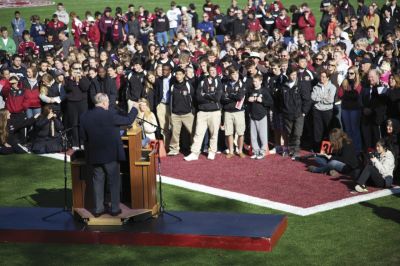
point(147, 121)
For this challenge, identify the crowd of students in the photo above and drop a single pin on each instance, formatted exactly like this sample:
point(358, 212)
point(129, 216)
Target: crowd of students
point(252, 79)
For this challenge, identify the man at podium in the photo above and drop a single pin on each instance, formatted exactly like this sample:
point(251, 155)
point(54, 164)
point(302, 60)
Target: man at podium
point(100, 129)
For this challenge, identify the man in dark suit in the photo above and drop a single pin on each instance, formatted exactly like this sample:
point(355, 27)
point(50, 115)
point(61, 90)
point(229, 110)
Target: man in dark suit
point(100, 129)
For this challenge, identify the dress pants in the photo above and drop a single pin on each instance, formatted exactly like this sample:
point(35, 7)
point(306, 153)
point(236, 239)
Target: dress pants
point(100, 173)
point(164, 120)
point(74, 111)
point(371, 132)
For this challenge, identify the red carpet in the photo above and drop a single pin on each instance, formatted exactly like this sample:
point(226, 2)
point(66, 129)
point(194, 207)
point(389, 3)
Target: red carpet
point(274, 178)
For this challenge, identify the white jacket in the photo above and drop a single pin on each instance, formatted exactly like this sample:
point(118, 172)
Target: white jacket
point(385, 164)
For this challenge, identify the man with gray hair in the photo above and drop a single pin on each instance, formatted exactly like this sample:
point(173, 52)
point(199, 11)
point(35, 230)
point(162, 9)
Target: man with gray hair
point(100, 129)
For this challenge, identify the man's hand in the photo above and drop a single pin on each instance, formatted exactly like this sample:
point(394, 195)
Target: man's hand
point(135, 105)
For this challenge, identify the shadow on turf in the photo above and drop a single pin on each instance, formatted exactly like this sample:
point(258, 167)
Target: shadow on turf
point(384, 212)
point(48, 198)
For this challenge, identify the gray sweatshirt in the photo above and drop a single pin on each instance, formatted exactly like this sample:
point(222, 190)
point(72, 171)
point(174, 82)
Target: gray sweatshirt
point(323, 96)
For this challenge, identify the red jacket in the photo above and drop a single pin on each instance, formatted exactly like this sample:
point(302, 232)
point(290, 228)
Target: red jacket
point(5, 88)
point(25, 45)
point(31, 95)
point(282, 24)
point(94, 34)
point(307, 27)
point(254, 25)
point(15, 101)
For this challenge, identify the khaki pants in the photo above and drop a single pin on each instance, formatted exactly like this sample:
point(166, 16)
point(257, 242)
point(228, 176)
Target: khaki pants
point(176, 122)
point(204, 121)
point(164, 118)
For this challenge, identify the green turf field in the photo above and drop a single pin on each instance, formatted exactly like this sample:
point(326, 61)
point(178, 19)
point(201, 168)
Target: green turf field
point(362, 234)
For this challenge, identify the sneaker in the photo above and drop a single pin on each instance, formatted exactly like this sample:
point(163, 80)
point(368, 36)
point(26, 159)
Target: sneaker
point(295, 156)
point(191, 157)
point(75, 148)
point(361, 188)
point(334, 173)
point(272, 151)
point(242, 155)
point(260, 156)
point(172, 153)
point(254, 156)
point(229, 156)
point(211, 155)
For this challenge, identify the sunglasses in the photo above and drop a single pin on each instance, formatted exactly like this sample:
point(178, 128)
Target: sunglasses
point(77, 68)
point(319, 59)
point(351, 73)
point(332, 65)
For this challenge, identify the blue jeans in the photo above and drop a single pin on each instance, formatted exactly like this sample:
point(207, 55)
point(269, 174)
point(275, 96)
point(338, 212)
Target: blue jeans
point(325, 165)
point(31, 112)
point(351, 121)
point(162, 38)
point(172, 33)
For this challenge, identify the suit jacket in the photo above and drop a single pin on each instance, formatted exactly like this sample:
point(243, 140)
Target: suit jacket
point(100, 130)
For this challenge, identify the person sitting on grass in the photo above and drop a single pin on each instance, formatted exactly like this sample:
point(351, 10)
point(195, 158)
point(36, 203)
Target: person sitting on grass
point(380, 168)
point(9, 142)
point(47, 128)
point(343, 158)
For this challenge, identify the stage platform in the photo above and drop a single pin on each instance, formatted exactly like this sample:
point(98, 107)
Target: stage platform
point(252, 232)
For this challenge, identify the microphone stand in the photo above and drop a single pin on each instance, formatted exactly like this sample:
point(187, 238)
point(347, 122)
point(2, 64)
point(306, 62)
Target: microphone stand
point(162, 203)
point(64, 144)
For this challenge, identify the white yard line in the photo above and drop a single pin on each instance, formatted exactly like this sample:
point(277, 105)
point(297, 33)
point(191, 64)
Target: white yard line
point(264, 202)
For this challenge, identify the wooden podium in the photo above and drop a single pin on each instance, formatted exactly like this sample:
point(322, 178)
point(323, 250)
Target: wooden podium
point(138, 182)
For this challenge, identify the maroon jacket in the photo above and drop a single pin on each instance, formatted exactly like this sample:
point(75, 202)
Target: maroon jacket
point(15, 101)
point(307, 27)
point(31, 95)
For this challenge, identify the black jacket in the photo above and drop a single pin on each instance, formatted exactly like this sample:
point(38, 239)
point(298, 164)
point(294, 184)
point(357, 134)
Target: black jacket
point(161, 24)
point(77, 91)
point(258, 110)
point(239, 27)
point(347, 155)
point(233, 93)
point(208, 95)
point(374, 105)
point(104, 85)
point(135, 88)
point(295, 100)
point(100, 129)
point(182, 98)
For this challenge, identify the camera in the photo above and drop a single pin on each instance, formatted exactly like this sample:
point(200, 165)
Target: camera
point(373, 154)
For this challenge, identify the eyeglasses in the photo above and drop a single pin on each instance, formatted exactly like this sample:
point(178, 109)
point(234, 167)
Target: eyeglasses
point(351, 73)
point(319, 59)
